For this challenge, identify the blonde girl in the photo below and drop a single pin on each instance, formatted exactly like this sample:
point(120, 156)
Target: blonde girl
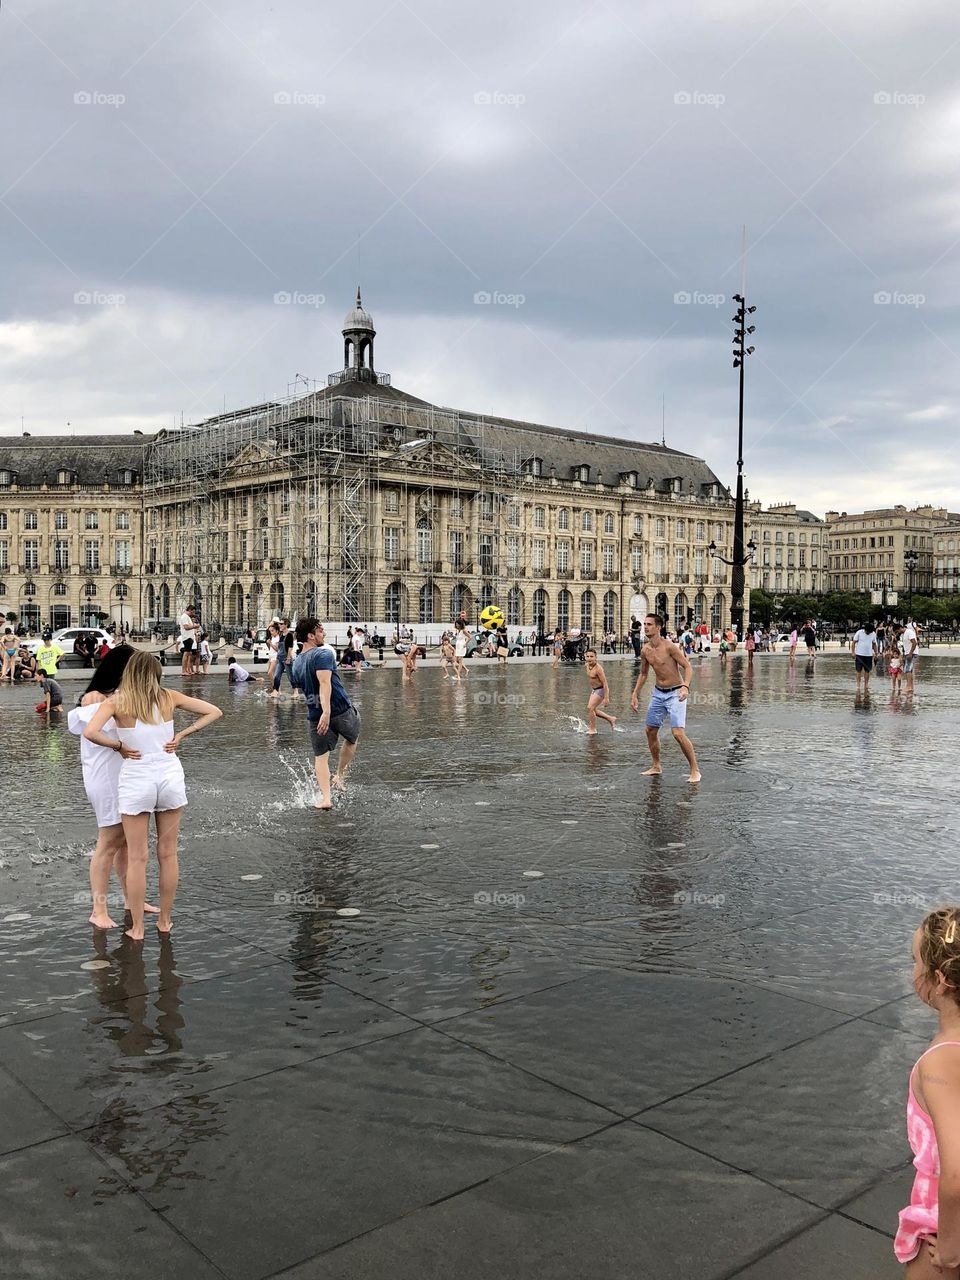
point(151, 775)
point(928, 1239)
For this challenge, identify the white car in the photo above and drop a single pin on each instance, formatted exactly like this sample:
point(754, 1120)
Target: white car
point(66, 637)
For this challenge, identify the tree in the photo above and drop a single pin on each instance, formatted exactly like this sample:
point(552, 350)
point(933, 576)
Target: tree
point(761, 606)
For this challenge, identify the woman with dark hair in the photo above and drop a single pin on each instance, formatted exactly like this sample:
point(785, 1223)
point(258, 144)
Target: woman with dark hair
point(101, 769)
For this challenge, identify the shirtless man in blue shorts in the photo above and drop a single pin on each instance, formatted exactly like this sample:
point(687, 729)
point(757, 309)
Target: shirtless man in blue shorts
point(672, 672)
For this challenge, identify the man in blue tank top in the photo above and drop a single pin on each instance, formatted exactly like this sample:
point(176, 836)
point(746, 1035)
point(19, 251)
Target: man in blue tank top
point(330, 713)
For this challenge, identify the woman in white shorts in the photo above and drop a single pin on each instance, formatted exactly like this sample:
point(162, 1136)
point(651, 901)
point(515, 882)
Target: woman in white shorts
point(460, 638)
point(101, 769)
point(151, 776)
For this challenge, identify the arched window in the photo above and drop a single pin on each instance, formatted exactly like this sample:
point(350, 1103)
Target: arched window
point(679, 611)
point(236, 605)
point(391, 604)
point(716, 613)
point(610, 611)
point(485, 599)
point(276, 597)
point(563, 609)
point(515, 607)
point(586, 612)
point(310, 598)
point(90, 590)
point(121, 591)
point(150, 601)
point(540, 609)
point(256, 604)
point(424, 542)
point(563, 518)
point(700, 607)
point(661, 606)
point(164, 601)
point(59, 589)
point(461, 600)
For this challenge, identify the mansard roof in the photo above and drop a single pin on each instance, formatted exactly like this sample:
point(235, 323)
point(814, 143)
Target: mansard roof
point(34, 460)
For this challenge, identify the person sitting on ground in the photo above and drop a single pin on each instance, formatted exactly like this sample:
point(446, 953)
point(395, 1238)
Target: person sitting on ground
point(240, 675)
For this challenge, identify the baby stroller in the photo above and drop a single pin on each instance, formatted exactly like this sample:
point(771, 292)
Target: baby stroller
point(573, 650)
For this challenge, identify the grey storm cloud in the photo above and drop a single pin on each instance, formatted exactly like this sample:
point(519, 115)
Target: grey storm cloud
point(587, 165)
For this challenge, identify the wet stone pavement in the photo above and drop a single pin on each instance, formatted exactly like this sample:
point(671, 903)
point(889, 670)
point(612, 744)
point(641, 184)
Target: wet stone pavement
point(576, 1021)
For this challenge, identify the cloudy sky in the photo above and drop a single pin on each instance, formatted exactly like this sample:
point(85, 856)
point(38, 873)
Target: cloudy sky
point(170, 171)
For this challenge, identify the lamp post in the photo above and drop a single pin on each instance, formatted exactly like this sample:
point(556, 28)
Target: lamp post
point(738, 563)
point(740, 353)
point(911, 559)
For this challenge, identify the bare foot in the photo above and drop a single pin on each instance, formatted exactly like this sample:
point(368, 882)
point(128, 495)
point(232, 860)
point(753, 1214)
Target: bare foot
point(134, 933)
point(591, 733)
point(100, 920)
point(338, 782)
point(164, 926)
point(695, 776)
point(150, 910)
point(652, 770)
point(613, 721)
point(323, 804)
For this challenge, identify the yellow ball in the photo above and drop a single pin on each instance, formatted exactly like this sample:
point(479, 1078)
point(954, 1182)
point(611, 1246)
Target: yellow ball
point(492, 618)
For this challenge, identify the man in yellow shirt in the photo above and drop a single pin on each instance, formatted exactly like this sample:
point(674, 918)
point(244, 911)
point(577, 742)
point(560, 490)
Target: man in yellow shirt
point(49, 655)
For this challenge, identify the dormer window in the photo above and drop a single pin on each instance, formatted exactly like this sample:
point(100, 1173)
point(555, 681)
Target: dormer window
point(64, 476)
point(6, 479)
point(675, 484)
point(126, 477)
point(534, 467)
point(631, 478)
point(582, 472)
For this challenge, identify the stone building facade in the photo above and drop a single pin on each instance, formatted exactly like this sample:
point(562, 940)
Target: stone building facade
point(791, 554)
point(71, 523)
point(358, 501)
point(869, 549)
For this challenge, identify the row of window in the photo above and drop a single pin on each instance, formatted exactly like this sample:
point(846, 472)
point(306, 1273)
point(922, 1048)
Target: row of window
point(776, 582)
point(91, 520)
point(66, 477)
point(880, 540)
point(791, 537)
point(797, 559)
point(61, 553)
point(59, 589)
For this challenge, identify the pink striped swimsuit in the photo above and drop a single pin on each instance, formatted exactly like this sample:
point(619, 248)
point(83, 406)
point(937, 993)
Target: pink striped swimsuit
point(919, 1219)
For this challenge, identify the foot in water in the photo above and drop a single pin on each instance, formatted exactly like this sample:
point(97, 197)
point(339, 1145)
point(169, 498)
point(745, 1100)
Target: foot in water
point(100, 920)
point(338, 781)
point(321, 803)
point(695, 776)
point(652, 771)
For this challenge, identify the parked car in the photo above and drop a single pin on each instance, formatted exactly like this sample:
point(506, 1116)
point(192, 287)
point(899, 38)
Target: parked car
point(65, 638)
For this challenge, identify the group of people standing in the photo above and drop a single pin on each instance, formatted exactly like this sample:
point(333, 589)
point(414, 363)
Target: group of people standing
point(895, 645)
point(131, 771)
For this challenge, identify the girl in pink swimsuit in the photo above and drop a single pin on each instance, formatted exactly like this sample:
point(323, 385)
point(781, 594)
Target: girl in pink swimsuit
point(928, 1240)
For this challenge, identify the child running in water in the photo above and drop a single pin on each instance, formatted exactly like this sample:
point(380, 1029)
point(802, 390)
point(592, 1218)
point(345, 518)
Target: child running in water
point(599, 693)
point(928, 1240)
point(447, 655)
point(151, 775)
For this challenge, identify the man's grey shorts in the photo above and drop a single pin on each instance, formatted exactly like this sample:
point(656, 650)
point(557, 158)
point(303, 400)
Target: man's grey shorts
point(345, 725)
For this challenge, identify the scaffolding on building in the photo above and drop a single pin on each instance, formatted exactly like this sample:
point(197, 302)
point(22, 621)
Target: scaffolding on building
point(277, 510)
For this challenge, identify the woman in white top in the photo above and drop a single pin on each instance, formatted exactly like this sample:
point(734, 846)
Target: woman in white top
point(460, 639)
point(151, 775)
point(101, 769)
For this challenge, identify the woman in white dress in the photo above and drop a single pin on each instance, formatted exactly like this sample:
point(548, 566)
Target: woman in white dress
point(151, 775)
point(101, 769)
